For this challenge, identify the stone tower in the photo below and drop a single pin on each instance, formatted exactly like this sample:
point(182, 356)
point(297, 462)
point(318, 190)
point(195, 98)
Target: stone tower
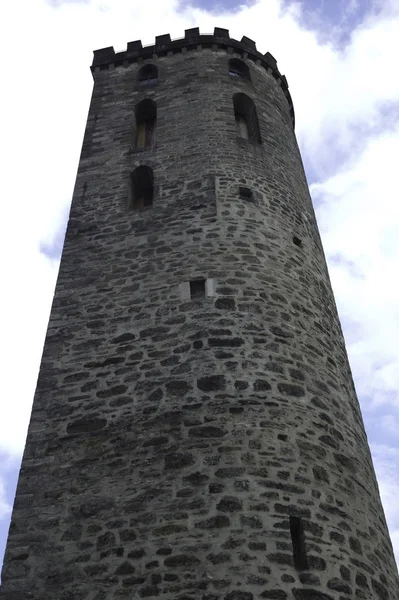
point(195, 433)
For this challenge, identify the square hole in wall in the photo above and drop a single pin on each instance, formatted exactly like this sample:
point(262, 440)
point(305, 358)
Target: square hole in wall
point(197, 288)
point(246, 194)
point(297, 241)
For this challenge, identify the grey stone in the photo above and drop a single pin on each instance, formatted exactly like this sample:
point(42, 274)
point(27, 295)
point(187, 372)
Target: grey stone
point(177, 426)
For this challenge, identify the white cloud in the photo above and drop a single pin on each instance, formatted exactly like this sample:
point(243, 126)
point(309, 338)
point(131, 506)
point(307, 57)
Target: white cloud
point(358, 216)
point(348, 133)
point(389, 424)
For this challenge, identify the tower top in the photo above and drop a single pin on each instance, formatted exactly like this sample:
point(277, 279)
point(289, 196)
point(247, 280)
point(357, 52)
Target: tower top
point(107, 58)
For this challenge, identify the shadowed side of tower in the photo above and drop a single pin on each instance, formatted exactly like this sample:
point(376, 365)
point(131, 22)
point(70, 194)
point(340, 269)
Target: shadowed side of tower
point(195, 432)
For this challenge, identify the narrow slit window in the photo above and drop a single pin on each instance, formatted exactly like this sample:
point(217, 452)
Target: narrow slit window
point(298, 543)
point(197, 288)
point(297, 241)
point(141, 188)
point(146, 116)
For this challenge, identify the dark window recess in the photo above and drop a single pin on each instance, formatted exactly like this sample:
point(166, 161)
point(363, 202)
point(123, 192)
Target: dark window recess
point(246, 118)
point(238, 68)
point(298, 543)
point(148, 75)
point(141, 188)
point(146, 116)
point(197, 288)
point(246, 194)
point(297, 241)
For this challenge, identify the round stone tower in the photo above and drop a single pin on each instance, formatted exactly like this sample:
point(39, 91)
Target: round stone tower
point(195, 433)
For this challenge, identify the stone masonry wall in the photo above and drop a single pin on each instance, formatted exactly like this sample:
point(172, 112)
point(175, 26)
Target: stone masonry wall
point(172, 439)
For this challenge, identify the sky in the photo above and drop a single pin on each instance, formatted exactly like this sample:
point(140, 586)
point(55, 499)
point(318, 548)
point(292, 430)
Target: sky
point(340, 59)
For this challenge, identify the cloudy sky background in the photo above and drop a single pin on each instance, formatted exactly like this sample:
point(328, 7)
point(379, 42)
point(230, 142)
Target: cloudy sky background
point(340, 58)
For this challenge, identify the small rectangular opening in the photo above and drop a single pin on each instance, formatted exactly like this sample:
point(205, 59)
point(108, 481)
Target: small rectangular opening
point(297, 241)
point(197, 288)
point(246, 193)
point(298, 543)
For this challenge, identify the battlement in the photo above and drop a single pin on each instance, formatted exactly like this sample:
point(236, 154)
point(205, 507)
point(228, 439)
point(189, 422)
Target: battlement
point(107, 58)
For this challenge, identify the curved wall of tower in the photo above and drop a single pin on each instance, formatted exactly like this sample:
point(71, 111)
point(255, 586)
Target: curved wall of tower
point(204, 440)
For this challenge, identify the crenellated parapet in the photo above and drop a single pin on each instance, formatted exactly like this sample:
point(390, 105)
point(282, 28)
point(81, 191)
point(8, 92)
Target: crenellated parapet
point(107, 58)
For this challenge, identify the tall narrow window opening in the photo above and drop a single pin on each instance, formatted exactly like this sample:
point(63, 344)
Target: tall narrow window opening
point(141, 188)
point(246, 118)
point(238, 69)
point(146, 116)
point(148, 75)
point(298, 543)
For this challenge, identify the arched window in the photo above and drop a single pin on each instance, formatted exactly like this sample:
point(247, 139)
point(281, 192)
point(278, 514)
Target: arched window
point(141, 188)
point(148, 75)
point(246, 118)
point(238, 68)
point(146, 116)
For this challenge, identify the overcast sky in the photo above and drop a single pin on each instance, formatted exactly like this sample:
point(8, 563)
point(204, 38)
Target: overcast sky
point(341, 61)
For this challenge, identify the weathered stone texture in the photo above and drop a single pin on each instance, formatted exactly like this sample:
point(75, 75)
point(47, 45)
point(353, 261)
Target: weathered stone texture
point(170, 439)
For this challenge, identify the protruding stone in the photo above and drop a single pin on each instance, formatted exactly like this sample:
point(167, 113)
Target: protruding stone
point(261, 385)
point(339, 586)
point(179, 460)
point(290, 389)
point(229, 504)
point(212, 383)
point(206, 431)
point(274, 595)
point(213, 522)
point(125, 568)
point(181, 560)
point(124, 338)
point(238, 595)
point(85, 425)
point(177, 387)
